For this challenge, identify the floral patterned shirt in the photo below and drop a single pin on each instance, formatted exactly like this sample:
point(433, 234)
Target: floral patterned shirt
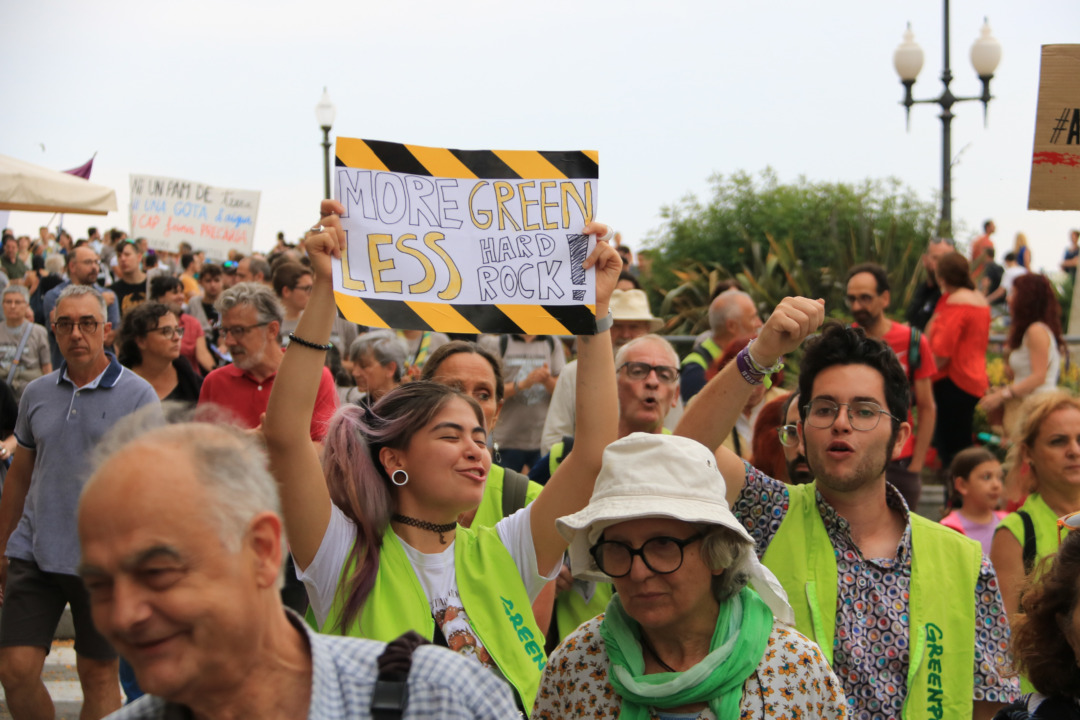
point(792, 681)
point(870, 652)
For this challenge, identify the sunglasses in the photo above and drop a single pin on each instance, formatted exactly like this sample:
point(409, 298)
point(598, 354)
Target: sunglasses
point(1068, 522)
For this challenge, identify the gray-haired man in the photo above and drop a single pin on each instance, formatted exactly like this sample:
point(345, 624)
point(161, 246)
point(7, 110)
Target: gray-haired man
point(183, 580)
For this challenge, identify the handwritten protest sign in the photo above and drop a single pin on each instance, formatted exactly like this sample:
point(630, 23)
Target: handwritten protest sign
point(167, 211)
point(1055, 163)
point(466, 240)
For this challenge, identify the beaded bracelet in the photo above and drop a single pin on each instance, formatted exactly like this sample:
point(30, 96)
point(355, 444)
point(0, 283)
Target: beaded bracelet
point(308, 343)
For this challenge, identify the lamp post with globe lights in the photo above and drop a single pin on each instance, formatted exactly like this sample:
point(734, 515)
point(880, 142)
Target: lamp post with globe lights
point(325, 112)
point(908, 61)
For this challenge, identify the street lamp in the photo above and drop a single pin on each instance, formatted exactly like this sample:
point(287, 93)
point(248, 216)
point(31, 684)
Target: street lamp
point(325, 112)
point(908, 60)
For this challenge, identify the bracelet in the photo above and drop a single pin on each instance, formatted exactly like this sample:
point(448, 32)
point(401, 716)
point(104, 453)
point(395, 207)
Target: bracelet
point(776, 366)
point(308, 343)
point(746, 369)
point(604, 324)
point(1008, 393)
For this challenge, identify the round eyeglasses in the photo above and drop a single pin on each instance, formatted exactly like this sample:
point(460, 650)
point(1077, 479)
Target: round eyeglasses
point(863, 415)
point(789, 435)
point(662, 555)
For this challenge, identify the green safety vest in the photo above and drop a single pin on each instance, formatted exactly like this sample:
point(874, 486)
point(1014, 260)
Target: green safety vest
point(491, 509)
point(494, 598)
point(945, 566)
point(697, 354)
point(571, 610)
point(1044, 520)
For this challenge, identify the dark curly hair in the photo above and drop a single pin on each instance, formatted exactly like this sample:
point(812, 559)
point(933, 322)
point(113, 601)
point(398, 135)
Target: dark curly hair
point(1040, 641)
point(140, 320)
point(1035, 302)
point(843, 345)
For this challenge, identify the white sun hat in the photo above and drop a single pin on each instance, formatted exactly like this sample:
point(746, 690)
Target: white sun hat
point(653, 475)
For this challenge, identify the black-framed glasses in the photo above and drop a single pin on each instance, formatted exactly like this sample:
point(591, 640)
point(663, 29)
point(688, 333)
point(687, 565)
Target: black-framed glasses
point(863, 415)
point(789, 435)
point(304, 288)
point(663, 555)
point(640, 371)
point(87, 325)
point(239, 331)
point(169, 332)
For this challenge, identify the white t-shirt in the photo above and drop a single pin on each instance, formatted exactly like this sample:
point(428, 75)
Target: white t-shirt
point(435, 572)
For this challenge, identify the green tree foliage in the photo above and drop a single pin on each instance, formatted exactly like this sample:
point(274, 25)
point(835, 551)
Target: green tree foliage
point(779, 239)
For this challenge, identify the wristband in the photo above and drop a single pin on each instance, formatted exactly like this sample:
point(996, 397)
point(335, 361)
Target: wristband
point(1007, 393)
point(307, 343)
point(604, 324)
point(775, 367)
point(746, 369)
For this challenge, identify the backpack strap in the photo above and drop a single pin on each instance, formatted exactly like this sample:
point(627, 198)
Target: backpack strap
point(515, 488)
point(391, 694)
point(504, 341)
point(914, 357)
point(1029, 541)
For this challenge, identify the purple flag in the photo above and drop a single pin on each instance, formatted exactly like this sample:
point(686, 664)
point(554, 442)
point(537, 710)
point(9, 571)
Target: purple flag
point(83, 171)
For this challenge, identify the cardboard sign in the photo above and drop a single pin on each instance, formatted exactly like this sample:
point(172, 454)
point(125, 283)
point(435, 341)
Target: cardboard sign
point(1055, 167)
point(167, 211)
point(466, 241)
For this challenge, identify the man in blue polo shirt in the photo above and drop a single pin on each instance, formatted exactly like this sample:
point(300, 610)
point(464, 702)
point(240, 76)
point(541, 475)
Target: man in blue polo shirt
point(62, 416)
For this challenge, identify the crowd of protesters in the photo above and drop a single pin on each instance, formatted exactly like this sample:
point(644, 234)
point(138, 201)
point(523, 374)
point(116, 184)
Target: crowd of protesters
point(595, 527)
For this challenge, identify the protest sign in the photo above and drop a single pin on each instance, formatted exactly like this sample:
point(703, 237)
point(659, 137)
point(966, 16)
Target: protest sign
point(167, 211)
point(1055, 167)
point(465, 241)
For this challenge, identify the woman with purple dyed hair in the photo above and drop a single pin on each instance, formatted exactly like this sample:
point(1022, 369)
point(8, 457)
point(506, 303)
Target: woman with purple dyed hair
point(373, 526)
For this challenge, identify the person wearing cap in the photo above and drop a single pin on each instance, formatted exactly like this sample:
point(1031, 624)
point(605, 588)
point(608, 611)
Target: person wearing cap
point(909, 615)
point(633, 318)
point(697, 627)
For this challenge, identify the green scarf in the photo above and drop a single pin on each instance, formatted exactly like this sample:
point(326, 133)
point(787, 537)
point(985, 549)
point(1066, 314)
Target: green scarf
point(738, 644)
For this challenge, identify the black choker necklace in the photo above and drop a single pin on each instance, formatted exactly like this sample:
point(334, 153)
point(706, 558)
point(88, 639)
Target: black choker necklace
point(425, 525)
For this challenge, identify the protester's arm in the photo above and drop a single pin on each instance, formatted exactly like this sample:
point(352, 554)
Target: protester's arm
point(597, 407)
point(203, 356)
point(711, 416)
point(16, 485)
point(924, 426)
point(1038, 342)
point(294, 460)
point(543, 607)
point(1008, 559)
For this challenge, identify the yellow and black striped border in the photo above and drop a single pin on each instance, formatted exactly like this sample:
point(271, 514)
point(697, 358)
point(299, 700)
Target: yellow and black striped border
point(469, 164)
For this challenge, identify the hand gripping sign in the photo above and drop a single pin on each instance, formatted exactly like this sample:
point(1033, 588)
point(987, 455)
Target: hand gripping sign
point(465, 241)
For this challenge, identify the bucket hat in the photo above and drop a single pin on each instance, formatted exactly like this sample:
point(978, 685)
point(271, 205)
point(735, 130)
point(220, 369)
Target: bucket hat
point(653, 475)
point(633, 305)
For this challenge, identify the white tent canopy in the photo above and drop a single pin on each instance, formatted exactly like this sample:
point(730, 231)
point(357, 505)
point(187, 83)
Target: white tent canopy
point(31, 188)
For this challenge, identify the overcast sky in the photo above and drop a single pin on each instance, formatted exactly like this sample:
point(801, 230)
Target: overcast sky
point(669, 93)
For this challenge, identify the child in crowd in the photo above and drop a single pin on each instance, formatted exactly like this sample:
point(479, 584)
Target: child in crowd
point(977, 486)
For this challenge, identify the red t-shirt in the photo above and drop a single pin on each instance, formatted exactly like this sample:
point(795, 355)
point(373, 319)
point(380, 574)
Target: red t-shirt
point(961, 334)
point(192, 332)
point(898, 338)
point(246, 397)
